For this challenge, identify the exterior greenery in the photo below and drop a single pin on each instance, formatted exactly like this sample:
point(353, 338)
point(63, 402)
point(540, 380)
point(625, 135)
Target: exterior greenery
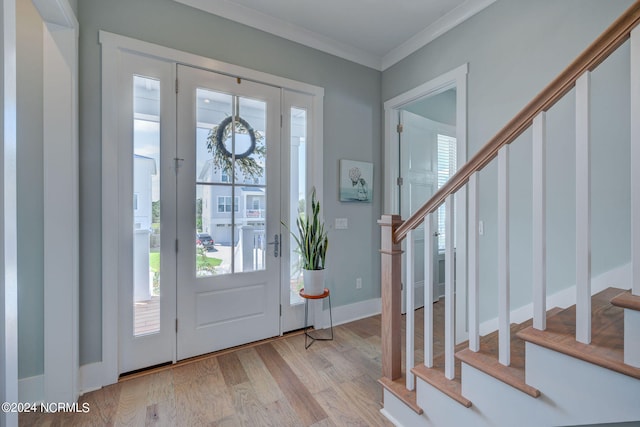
point(312, 238)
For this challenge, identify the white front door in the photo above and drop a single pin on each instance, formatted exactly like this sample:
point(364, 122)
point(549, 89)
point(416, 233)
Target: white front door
point(228, 158)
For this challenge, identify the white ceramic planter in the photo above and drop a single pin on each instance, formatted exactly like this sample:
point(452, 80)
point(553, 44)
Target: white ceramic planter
point(313, 282)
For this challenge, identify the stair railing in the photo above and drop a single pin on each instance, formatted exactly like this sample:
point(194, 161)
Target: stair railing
point(394, 229)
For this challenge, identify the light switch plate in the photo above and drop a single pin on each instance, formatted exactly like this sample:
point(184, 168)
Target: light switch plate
point(342, 223)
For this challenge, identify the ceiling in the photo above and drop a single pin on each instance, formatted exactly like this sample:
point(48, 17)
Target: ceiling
point(374, 33)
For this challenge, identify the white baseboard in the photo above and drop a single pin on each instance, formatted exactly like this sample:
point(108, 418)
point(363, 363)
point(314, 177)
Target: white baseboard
point(419, 295)
point(619, 277)
point(440, 290)
point(31, 389)
point(91, 377)
point(351, 312)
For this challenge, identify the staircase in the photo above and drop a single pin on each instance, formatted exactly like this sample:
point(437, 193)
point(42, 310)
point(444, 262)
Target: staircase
point(565, 366)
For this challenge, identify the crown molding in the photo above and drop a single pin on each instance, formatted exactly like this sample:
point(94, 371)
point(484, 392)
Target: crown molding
point(286, 30)
point(452, 19)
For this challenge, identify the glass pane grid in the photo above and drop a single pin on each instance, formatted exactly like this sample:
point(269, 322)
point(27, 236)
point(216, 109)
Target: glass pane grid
point(230, 184)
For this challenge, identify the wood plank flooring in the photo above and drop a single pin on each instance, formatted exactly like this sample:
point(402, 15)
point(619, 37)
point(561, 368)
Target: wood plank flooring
point(274, 383)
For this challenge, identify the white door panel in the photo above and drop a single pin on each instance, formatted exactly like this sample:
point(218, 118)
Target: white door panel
point(419, 169)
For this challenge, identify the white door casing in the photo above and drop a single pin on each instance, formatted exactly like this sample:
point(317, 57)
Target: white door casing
point(8, 214)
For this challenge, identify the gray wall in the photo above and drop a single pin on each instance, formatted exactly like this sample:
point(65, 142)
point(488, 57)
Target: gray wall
point(352, 116)
point(30, 191)
point(440, 108)
point(514, 48)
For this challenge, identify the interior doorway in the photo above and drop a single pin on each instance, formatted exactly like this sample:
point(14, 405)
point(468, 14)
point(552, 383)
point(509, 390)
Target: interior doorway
point(427, 152)
point(425, 143)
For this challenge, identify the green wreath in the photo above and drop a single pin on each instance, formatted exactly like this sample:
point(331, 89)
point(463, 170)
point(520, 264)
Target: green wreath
point(223, 159)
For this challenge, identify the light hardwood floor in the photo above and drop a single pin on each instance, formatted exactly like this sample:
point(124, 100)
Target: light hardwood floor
point(274, 383)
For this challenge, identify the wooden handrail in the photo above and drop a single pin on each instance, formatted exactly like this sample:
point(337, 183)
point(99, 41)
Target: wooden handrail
point(598, 51)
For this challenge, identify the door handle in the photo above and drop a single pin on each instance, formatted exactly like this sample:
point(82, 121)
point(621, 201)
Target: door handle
point(276, 247)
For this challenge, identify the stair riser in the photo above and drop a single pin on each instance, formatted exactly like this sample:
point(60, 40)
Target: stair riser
point(500, 404)
point(399, 413)
point(442, 410)
point(579, 392)
point(632, 337)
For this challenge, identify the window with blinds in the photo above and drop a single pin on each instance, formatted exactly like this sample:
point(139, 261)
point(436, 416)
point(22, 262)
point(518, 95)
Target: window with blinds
point(447, 164)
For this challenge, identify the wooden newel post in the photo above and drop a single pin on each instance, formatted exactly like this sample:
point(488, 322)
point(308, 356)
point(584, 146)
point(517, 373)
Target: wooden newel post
point(391, 266)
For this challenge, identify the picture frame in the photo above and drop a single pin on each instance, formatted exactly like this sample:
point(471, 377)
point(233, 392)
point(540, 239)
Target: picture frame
point(356, 181)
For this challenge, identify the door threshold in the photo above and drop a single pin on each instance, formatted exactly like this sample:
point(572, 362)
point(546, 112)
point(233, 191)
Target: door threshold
point(168, 365)
point(138, 372)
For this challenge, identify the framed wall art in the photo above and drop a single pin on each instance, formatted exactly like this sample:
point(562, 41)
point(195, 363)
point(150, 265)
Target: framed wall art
point(356, 181)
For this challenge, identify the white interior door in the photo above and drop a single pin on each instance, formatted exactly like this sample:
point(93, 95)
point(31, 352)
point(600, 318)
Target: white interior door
point(421, 173)
point(146, 149)
point(228, 154)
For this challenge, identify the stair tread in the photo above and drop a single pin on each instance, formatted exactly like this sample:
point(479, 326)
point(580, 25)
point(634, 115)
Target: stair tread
point(399, 389)
point(435, 377)
point(607, 343)
point(627, 300)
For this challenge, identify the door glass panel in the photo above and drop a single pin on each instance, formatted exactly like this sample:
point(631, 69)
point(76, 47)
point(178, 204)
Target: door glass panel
point(250, 186)
point(214, 207)
point(230, 184)
point(146, 205)
point(297, 197)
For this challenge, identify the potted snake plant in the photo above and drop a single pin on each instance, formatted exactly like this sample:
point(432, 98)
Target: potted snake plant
point(312, 244)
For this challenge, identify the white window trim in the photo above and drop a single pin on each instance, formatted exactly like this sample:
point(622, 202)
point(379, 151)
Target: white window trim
point(112, 45)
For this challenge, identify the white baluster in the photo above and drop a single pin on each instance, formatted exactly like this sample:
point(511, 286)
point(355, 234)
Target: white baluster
point(428, 291)
point(474, 282)
point(539, 222)
point(583, 209)
point(449, 314)
point(504, 315)
point(409, 292)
